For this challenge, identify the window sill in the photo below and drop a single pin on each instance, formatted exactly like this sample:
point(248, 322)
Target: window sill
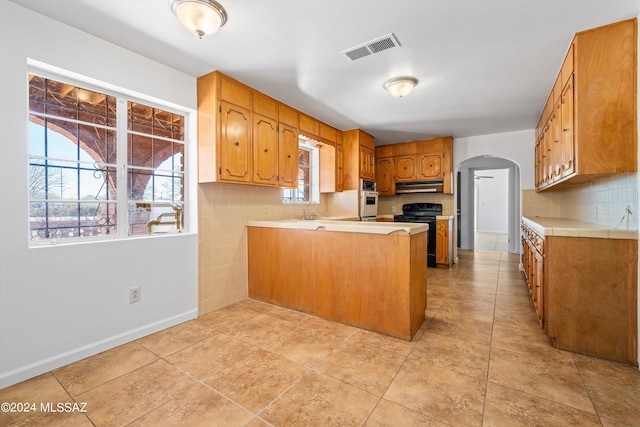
point(102, 240)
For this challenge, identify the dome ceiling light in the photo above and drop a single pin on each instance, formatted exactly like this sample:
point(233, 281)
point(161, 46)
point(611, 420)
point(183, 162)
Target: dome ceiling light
point(200, 17)
point(400, 86)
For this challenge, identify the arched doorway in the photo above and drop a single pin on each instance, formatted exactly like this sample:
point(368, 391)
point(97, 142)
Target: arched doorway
point(466, 204)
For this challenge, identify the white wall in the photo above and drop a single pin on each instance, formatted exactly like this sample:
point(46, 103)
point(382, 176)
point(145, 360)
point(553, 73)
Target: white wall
point(492, 199)
point(486, 152)
point(516, 146)
point(61, 303)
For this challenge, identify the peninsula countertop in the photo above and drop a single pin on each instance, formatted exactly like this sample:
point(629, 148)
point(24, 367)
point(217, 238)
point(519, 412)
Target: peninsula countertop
point(565, 227)
point(370, 227)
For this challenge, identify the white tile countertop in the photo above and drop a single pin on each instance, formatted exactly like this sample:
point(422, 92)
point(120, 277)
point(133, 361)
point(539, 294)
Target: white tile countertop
point(370, 227)
point(552, 226)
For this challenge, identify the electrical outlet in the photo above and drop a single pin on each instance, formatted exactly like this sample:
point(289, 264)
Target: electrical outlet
point(265, 209)
point(393, 209)
point(134, 294)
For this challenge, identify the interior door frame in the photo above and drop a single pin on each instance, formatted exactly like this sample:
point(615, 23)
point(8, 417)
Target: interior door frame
point(466, 198)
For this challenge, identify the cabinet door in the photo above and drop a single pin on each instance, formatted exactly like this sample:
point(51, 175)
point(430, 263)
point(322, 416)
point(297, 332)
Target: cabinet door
point(384, 177)
point(538, 284)
point(288, 156)
point(265, 150)
point(442, 242)
point(556, 142)
point(339, 167)
point(538, 163)
point(525, 257)
point(367, 165)
point(405, 168)
point(371, 161)
point(430, 166)
point(235, 143)
point(547, 163)
point(567, 142)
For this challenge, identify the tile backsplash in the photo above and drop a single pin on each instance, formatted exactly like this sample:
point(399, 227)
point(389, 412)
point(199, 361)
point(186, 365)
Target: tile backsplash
point(387, 203)
point(603, 202)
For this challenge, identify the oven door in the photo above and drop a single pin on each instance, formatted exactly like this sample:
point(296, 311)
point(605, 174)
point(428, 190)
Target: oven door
point(368, 204)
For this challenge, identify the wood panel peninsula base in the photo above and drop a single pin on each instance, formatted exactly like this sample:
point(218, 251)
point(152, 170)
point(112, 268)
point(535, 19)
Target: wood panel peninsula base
point(365, 274)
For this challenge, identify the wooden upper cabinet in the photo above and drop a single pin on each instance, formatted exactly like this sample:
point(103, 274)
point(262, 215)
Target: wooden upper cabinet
point(288, 156)
point(566, 72)
point(406, 168)
point(566, 137)
point(430, 166)
point(367, 163)
point(591, 129)
point(265, 150)
point(339, 163)
point(247, 137)
point(422, 160)
point(358, 158)
point(309, 126)
point(385, 170)
point(234, 147)
point(265, 106)
point(385, 176)
point(235, 92)
point(328, 134)
point(289, 116)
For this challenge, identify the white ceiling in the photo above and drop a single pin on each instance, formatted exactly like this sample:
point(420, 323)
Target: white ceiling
point(484, 66)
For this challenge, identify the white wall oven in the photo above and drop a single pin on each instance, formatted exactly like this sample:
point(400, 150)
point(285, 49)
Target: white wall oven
point(368, 200)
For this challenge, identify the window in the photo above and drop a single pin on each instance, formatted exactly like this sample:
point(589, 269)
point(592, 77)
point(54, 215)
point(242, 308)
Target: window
point(308, 176)
point(101, 164)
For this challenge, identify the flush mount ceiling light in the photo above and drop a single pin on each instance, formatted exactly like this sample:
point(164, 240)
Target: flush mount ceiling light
point(200, 17)
point(400, 86)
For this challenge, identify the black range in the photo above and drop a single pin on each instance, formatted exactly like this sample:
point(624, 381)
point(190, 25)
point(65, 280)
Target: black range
point(424, 213)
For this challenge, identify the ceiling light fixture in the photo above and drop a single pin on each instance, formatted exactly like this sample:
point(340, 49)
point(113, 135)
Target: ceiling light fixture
point(400, 86)
point(200, 17)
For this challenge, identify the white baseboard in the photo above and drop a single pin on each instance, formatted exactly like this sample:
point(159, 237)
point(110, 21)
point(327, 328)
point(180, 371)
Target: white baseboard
point(43, 366)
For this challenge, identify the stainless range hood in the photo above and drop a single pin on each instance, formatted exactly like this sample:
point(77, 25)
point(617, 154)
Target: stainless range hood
point(419, 187)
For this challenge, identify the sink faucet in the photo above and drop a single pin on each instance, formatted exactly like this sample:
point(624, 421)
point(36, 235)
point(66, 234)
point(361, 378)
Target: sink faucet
point(309, 215)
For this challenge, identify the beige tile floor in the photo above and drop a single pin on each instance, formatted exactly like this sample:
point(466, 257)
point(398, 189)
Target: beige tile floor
point(484, 241)
point(479, 359)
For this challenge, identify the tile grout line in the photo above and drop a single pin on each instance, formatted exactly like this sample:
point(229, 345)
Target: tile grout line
point(493, 322)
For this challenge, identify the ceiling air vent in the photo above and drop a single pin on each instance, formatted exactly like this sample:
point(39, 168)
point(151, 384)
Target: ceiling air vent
point(372, 46)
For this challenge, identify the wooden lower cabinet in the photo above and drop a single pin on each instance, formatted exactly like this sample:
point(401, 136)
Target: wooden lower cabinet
point(585, 292)
point(382, 288)
point(533, 265)
point(444, 242)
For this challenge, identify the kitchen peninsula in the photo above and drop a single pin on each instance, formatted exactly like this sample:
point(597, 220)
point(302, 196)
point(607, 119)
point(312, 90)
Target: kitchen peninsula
point(371, 275)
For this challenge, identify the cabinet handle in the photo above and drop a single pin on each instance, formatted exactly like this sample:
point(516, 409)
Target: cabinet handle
point(266, 150)
point(565, 130)
point(289, 156)
point(236, 143)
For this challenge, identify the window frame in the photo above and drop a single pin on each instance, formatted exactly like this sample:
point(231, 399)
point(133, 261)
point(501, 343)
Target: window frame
point(314, 172)
point(122, 96)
